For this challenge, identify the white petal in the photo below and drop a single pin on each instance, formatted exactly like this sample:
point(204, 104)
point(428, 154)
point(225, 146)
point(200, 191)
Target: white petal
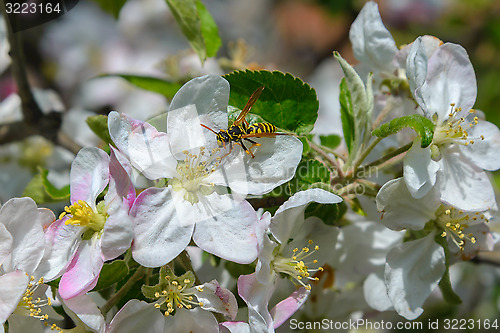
point(210, 95)
point(450, 79)
point(290, 216)
point(217, 299)
point(274, 164)
point(226, 225)
point(322, 235)
point(195, 321)
point(256, 295)
point(61, 242)
point(147, 148)
point(412, 272)
point(5, 243)
point(372, 43)
point(401, 211)
point(159, 235)
point(117, 234)
point(419, 170)
point(137, 316)
point(20, 216)
point(483, 242)
point(120, 184)
point(12, 287)
point(234, 327)
point(484, 153)
point(89, 175)
point(185, 132)
point(463, 184)
point(375, 292)
point(87, 311)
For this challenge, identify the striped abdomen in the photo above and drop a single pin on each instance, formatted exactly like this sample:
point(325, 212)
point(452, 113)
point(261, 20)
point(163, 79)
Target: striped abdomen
point(261, 128)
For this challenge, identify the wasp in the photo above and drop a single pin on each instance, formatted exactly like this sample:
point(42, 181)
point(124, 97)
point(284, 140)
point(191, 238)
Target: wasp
point(241, 130)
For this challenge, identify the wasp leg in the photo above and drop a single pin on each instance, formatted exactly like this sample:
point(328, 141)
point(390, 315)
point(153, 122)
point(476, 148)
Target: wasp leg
point(230, 149)
point(248, 151)
point(254, 144)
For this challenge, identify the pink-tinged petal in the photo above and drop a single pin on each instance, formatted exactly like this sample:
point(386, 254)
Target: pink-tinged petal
point(83, 271)
point(412, 271)
point(61, 243)
point(137, 316)
point(12, 287)
point(274, 164)
point(463, 184)
point(87, 312)
point(6, 241)
point(287, 307)
point(217, 299)
point(185, 132)
point(484, 153)
point(146, 148)
point(120, 184)
point(450, 79)
point(210, 95)
point(234, 327)
point(89, 175)
point(117, 234)
point(290, 216)
point(264, 272)
point(419, 170)
point(401, 211)
point(257, 295)
point(195, 321)
point(227, 225)
point(372, 43)
point(20, 217)
point(159, 234)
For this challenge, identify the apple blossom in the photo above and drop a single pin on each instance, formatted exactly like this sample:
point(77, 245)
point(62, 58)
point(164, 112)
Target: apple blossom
point(444, 85)
point(89, 232)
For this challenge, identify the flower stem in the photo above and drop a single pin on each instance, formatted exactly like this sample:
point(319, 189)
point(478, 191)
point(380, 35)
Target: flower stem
point(328, 158)
point(139, 273)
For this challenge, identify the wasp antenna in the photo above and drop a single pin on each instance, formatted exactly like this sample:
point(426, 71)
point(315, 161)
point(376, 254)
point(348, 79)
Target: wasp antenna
point(208, 128)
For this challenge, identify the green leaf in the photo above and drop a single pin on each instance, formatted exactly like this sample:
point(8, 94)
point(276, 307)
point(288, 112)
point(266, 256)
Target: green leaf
point(209, 30)
point(330, 141)
point(423, 126)
point(346, 115)
point(311, 172)
point(329, 214)
point(99, 125)
point(361, 96)
point(54, 192)
point(449, 294)
point(111, 273)
point(236, 270)
point(42, 190)
point(197, 25)
point(154, 84)
point(286, 102)
point(113, 7)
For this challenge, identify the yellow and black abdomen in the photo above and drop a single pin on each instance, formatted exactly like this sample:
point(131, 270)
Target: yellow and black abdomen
point(261, 128)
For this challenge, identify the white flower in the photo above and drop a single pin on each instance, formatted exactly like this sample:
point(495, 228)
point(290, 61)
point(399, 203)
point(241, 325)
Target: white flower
point(195, 201)
point(296, 240)
point(444, 85)
point(414, 268)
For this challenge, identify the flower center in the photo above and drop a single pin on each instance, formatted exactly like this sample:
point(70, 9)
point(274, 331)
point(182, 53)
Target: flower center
point(83, 215)
point(176, 294)
point(454, 129)
point(192, 172)
point(454, 224)
point(296, 267)
point(33, 307)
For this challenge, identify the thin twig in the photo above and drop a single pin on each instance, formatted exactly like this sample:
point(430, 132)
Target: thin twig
point(139, 273)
